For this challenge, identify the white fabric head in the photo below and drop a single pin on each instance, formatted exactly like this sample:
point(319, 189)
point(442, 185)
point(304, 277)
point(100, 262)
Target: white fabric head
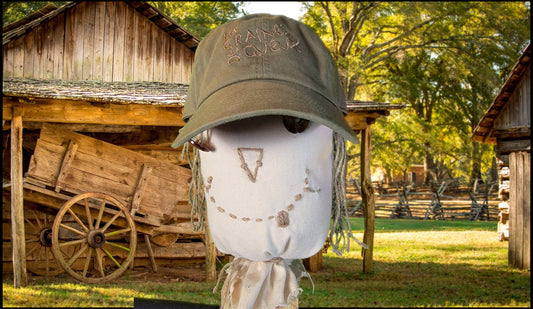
point(268, 191)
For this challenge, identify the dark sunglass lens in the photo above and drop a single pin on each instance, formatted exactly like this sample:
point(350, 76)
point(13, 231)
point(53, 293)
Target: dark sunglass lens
point(199, 145)
point(294, 124)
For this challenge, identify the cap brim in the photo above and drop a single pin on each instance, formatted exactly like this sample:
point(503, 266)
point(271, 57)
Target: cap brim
point(254, 98)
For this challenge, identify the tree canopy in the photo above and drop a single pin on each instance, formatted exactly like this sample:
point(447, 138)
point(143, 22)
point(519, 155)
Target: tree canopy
point(199, 17)
point(14, 10)
point(444, 60)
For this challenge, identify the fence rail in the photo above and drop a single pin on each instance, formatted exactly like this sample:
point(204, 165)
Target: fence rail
point(479, 202)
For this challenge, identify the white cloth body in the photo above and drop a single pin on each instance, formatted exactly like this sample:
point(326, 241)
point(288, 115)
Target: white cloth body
point(258, 285)
point(268, 191)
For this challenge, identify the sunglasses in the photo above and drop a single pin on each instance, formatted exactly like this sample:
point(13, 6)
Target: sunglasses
point(292, 124)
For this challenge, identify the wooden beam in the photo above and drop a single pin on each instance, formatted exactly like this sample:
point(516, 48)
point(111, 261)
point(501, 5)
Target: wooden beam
point(139, 189)
point(367, 195)
point(65, 165)
point(150, 253)
point(79, 111)
point(18, 236)
point(210, 256)
point(84, 127)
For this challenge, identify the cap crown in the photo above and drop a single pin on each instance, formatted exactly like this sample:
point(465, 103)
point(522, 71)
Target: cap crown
point(263, 47)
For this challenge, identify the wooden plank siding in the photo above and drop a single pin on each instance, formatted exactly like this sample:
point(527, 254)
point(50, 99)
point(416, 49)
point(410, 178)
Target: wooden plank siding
point(517, 113)
point(520, 210)
point(99, 41)
point(8, 59)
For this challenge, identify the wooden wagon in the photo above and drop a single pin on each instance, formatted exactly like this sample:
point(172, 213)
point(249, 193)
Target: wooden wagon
point(86, 200)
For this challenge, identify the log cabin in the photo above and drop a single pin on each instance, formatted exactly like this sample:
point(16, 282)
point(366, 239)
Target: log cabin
point(507, 125)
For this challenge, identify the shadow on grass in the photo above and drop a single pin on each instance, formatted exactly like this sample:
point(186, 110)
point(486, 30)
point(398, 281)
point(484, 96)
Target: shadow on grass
point(64, 291)
point(412, 225)
point(341, 283)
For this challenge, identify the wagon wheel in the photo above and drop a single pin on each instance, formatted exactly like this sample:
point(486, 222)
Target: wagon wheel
point(106, 232)
point(39, 257)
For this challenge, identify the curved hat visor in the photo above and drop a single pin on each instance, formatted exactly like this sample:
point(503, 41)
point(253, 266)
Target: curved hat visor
point(263, 97)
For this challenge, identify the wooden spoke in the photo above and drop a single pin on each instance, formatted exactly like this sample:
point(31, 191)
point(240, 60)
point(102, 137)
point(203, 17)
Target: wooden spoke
point(63, 253)
point(78, 219)
point(77, 255)
point(110, 221)
point(32, 225)
point(40, 252)
point(29, 252)
point(111, 257)
point(87, 262)
point(70, 228)
point(99, 263)
point(74, 242)
point(100, 214)
point(117, 232)
point(88, 212)
point(37, 219)
point(118, 246)
point(46, 263)
point(32, 239)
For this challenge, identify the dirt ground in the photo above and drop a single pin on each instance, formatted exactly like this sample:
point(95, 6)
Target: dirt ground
point(194, 272)
point(164, 274)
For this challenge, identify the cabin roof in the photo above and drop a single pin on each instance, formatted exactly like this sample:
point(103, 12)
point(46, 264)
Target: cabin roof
point(157, 93)
point(371, 106)
point(14, 30)
point(483, 131)
point(138, 92)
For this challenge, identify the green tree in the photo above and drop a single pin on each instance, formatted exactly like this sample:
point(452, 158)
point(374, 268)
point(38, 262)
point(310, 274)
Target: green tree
point(200, 17)
point(462, 79)
point(15, 10)
point(418, 53)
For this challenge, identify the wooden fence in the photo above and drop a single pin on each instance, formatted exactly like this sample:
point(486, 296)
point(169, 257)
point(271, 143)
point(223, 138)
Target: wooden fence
point(474, 203)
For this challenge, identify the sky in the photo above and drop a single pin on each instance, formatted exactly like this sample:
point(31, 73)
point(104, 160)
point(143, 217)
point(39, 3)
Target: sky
point(288, 8)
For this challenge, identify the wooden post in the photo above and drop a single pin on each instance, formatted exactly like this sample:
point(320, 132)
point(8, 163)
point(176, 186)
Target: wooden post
point(210, 256)
point(150, 253)
point(367, 194)
point(18, 237)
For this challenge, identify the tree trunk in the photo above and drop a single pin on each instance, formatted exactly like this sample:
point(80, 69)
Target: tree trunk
point(429, 168)
point(476, 162)
point(494, 169)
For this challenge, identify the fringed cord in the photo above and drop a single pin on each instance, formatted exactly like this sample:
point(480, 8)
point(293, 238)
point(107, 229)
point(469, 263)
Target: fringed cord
point(226, 268)
point(341, 230)
point(196, 190)
point(221, 273)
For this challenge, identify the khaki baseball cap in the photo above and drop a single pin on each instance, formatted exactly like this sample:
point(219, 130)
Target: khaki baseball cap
point(259, 65)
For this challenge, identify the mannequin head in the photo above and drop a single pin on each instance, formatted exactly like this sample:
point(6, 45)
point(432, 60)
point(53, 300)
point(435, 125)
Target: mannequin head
point(268, 191)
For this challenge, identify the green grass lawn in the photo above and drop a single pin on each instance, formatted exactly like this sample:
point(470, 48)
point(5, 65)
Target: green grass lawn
point(416, 264)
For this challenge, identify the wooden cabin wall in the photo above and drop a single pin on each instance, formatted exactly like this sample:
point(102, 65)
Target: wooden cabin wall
point(101, 41)
point(517, 113)
point(512, 127)
point(519, 252)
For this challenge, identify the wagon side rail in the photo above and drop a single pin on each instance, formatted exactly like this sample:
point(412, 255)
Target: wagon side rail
point(72, 163)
